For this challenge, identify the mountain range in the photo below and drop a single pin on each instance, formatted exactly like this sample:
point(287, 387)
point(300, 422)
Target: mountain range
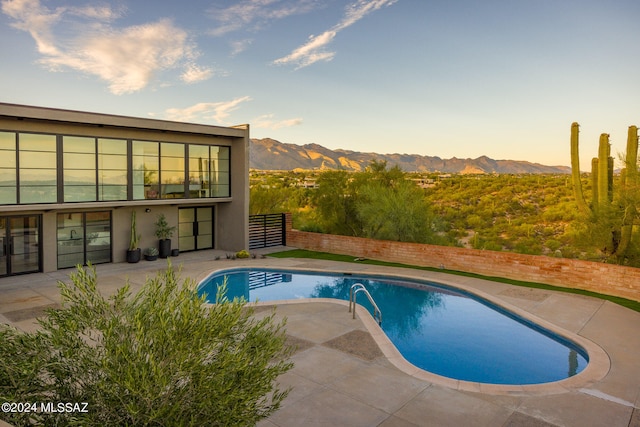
point(269, 154)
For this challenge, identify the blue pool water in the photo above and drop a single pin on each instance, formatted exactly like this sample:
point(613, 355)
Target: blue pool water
point(436, 328)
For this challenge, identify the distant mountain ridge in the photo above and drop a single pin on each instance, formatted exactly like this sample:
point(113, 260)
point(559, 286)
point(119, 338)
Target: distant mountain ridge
point(269, 154)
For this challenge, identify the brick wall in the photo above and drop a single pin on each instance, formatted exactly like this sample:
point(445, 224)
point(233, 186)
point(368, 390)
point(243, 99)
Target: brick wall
point(569, 273)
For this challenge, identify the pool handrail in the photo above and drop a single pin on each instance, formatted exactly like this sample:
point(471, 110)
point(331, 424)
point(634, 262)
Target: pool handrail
point(353, 292)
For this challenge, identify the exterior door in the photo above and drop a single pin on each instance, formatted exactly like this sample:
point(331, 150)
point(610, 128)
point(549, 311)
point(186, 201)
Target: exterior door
point(83, 237)
point(195, 228)
point(19, 245)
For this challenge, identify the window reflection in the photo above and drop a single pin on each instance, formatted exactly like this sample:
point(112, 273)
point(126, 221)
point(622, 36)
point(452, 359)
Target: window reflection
point(97, 169)
point(112, 169)
point(37, 171)
point(199, 175)
point(37, 142)
point(209, 171)
point(83, 238)
point(79, 166)
point(145, 170)
point(8, 192)
point(172, 170)
point(220, 172)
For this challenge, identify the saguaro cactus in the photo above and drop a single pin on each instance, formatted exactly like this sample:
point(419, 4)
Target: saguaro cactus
point(575, 169)
point(631, 189)
point(619, 213)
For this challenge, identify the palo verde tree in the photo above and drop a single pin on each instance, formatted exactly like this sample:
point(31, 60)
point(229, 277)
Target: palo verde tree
point(392, 207)
point(613, 212)
point(161, 357)
point(378, 203)
point(334, 201)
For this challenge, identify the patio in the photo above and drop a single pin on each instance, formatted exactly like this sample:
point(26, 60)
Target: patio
point(346, 375)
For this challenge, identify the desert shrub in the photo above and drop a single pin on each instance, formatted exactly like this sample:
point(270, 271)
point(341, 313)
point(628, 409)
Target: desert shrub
point(528, 246)
point(242, 254)
point(159, 357)
point(553, 245)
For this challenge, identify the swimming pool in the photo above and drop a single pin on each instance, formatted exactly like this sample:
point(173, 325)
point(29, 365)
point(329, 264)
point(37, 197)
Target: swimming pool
point(436, 328)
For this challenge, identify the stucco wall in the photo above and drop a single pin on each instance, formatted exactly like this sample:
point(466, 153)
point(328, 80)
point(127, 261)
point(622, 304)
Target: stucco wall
point(592, 276)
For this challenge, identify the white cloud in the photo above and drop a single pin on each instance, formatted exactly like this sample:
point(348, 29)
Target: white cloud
point(206, 111)
point(253, 14)
point(194, 73)
point(266, 122)
point(35, 19)
point(102, 13)
point(313, 51)
point(126, 58)
point(240, 46)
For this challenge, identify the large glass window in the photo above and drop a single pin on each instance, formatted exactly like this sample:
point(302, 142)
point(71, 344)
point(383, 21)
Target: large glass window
point(146, 170)
point(97, 169)
point(94, 172)
point(209, 171)
point(199, 175)
point(220, 172)
point(8, 190)
point(37, 168)
point(112, 169)
point(172, 170)
point(79, 166)
point(83, 237)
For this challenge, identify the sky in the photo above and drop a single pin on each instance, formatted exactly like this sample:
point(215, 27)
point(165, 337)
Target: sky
point(464, 78)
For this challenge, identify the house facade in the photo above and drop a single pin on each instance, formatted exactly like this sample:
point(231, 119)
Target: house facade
point(70, 181)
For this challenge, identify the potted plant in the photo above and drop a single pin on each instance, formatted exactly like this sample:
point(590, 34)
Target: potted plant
point(133, 253)
point(164, 233)
point(151, 254)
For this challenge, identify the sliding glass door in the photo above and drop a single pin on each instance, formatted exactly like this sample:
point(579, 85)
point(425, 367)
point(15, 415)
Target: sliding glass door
point(19, 244)
point(83, 237)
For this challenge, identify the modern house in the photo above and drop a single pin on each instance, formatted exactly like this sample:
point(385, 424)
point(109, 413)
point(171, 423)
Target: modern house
point(70, 180)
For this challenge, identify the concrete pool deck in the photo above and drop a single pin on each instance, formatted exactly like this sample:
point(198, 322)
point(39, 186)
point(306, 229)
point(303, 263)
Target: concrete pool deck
point(346, 375)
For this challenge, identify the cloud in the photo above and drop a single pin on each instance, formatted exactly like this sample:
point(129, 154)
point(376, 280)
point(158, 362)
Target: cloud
point(313, 51)
point(310, 52)
point(194, 73)
point(103, 13)
point(253, 14)
point(266, 122)
point(34, 19)
point(219, 112)
point(126, 58)
point(240, 46)
point(206, 111)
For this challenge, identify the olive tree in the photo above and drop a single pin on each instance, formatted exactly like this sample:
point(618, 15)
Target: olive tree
point(157, 358)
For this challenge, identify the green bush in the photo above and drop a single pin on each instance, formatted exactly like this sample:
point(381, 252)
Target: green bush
point(553, 245)
point(21, 359)
point(160, 357)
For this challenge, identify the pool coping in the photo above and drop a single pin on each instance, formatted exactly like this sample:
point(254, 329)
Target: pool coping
point(597, 367)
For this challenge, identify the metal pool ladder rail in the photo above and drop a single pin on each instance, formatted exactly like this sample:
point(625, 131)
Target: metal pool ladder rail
point(353, 292)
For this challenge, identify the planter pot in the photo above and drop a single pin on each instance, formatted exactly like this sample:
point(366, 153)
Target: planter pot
point(175, 252)
point(164, 248)
point(133, 256)
point(151, 257)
